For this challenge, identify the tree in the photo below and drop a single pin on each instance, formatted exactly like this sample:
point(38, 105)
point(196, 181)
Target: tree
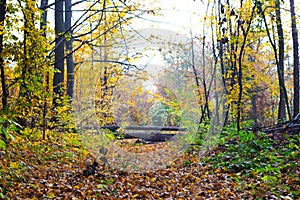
point(69, 49)
point(278, 54)
point(43, 27)
point(245, 60)
point(296, 57)
point(23, 63)
point(59, 49)
point(283, 102)
point(245, 33)
point(32, 66)
point(2, 70)
point(100, 65)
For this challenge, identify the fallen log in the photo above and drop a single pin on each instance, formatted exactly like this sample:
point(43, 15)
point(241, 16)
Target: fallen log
point(145, 135)
point(145, 128)
point(292, 126)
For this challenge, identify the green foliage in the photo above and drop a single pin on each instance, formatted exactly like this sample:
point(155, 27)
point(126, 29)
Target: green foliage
point(2, 145)
point(26, 63)
point(201, 134)
point(64, 114)
point(7, 127)
point(158, 113)
point(249, 154)
point(165, 115)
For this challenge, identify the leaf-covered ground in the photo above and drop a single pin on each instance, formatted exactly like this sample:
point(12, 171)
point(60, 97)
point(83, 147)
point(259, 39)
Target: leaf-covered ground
point(242, 166)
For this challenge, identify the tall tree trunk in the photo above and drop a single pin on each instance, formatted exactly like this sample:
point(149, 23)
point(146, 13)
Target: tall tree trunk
point(43, 24)
point(196, 76)
point(240, 67)
point(69, 48)
point(206, 112)
point(59, 49)
point(296, 57)
point(221, 47)
point(3, 83)
point(283, 101)
point(217, 109)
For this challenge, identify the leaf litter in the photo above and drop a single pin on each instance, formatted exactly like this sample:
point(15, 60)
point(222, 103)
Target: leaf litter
point(55, 169)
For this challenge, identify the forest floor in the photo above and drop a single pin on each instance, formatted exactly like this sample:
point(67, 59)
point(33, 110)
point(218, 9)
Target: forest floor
point(241, 166)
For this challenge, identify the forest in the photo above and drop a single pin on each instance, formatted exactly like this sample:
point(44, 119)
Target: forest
point(110, 99)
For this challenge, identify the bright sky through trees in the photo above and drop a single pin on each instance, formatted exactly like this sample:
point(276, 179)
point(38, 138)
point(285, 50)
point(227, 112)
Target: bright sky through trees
point(178, 16)
point(174, 15)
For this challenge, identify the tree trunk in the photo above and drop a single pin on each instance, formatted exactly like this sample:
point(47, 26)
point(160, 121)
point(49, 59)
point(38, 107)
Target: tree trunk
point(3, 83)
point(69, 48)
point(240, 67)
point(43, 24)
point(196, 76)
point(59, 49)
point(278, 59)
point(283, 102)
point(221, 48)
point(254, 108)
point(296, 57)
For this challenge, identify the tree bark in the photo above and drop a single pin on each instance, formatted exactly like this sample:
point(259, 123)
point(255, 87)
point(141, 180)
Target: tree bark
point(59, 49)
point(196, 76)
point(43, 24)
point(283, 101)
point(3, 83)
point(44, 4)
point(69, 49)
point(240, 67)
point(296, 57)
point(221, 48)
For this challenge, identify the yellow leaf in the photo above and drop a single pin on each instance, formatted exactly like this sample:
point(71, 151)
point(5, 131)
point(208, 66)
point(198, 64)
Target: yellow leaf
point(77, 186)
point(14, 165)
point(153, 179)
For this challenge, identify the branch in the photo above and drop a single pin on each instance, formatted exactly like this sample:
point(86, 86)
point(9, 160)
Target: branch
point(47, 6)
point(78, 2)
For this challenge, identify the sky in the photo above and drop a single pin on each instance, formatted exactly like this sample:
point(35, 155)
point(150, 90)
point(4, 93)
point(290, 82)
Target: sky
point(177, 15)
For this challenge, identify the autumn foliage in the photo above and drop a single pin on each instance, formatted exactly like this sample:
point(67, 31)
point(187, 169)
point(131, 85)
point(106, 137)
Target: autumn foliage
point(225, 85)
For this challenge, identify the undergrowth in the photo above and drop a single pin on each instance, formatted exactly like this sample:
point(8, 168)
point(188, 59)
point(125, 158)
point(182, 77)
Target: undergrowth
point(258, 160)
